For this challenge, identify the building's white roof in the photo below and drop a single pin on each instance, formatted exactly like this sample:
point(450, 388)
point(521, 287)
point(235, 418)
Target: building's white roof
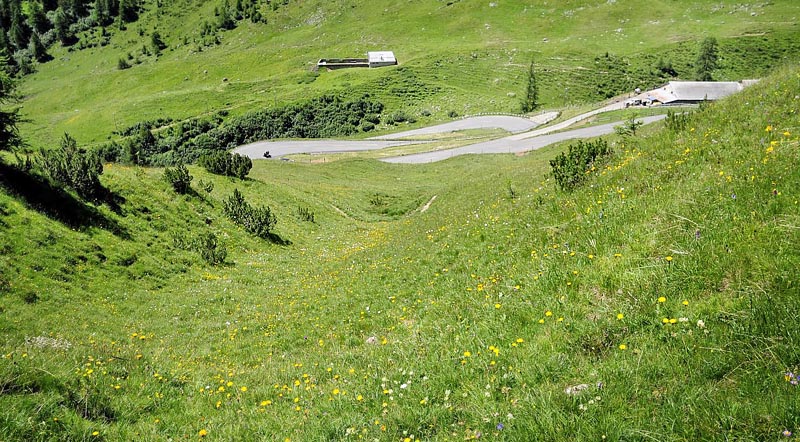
point(695, 91)
point(381, 57)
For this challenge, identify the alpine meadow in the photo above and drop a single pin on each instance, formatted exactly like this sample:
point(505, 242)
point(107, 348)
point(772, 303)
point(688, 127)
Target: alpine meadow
point(160, 282)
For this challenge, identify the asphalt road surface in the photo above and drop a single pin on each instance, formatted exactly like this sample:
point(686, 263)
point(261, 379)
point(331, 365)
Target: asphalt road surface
point(520, 142)
point(514, 145)
point(283, 147)
point(507, 123)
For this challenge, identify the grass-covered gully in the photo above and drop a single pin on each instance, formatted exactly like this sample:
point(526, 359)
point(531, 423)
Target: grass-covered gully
point(655, 300)
point(639, 287)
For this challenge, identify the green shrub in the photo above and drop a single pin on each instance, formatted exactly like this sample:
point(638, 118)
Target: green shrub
point(30, 297)
point(225, 163)
point(74, 168)
point(401, 117)
point(570, 169)
point(179, 179)
point(629, 127)
point(210, 249)
point(258, 221)
point(305, 214)
point(235, 207)
point(207, 186)
point(677, 121)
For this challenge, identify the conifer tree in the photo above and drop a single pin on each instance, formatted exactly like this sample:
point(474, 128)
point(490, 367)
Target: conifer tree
point(531, 101)
point(9, 116)
point(706, 59)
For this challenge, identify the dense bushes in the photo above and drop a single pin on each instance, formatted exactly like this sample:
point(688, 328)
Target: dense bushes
point(73, 167)
point(165, 143)
point(570, 169)
point(224, 163)
point(326, 116)
point(258, 221)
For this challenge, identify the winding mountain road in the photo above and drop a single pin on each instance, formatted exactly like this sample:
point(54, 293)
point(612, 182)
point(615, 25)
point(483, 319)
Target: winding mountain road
point(512, 145)
point(522, 140)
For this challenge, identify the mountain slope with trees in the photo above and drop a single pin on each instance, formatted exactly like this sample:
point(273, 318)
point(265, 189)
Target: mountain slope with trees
point(182, 60)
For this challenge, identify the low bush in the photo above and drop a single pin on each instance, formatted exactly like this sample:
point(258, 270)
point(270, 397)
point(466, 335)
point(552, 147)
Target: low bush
point(73, 167)
point(179, 179)
point(210, 249)
point(305, 214)
point(629, 127)
point(258, 221)
point(569, 169)
point(225, 163)
point(677, 121)
point(205, 244)
point(207, 186)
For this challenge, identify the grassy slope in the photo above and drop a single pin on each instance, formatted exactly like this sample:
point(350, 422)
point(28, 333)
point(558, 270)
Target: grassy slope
point(469, 57)
point(278, 343)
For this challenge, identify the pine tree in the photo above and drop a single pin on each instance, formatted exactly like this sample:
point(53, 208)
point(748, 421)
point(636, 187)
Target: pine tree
point(102, 12)
point(706, 59)
point(17, 34)
point(36, 48)
point(37, 19)
point(157, 43)
point(128, 11)
point(531, 101)
point(5, 47)
point(61, 28)
point(9, 117)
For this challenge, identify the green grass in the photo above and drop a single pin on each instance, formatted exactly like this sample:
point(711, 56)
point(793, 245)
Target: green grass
point(383, 322)
point(468, 57)
point(433, 142)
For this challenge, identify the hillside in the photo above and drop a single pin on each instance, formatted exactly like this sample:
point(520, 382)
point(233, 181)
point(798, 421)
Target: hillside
point(658, 301)
point(456, 57)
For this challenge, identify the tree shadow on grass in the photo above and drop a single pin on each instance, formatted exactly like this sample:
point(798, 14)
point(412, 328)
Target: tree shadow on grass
point(55, 203)
point(277, 239)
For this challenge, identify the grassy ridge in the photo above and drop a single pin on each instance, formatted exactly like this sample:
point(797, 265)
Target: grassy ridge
point(468, 57)
point(471, 319)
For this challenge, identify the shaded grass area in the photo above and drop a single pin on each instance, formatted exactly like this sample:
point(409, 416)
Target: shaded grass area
point(39, 194)
point(657, 301)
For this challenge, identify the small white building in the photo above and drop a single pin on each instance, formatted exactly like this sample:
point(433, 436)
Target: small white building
point(381, 58)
